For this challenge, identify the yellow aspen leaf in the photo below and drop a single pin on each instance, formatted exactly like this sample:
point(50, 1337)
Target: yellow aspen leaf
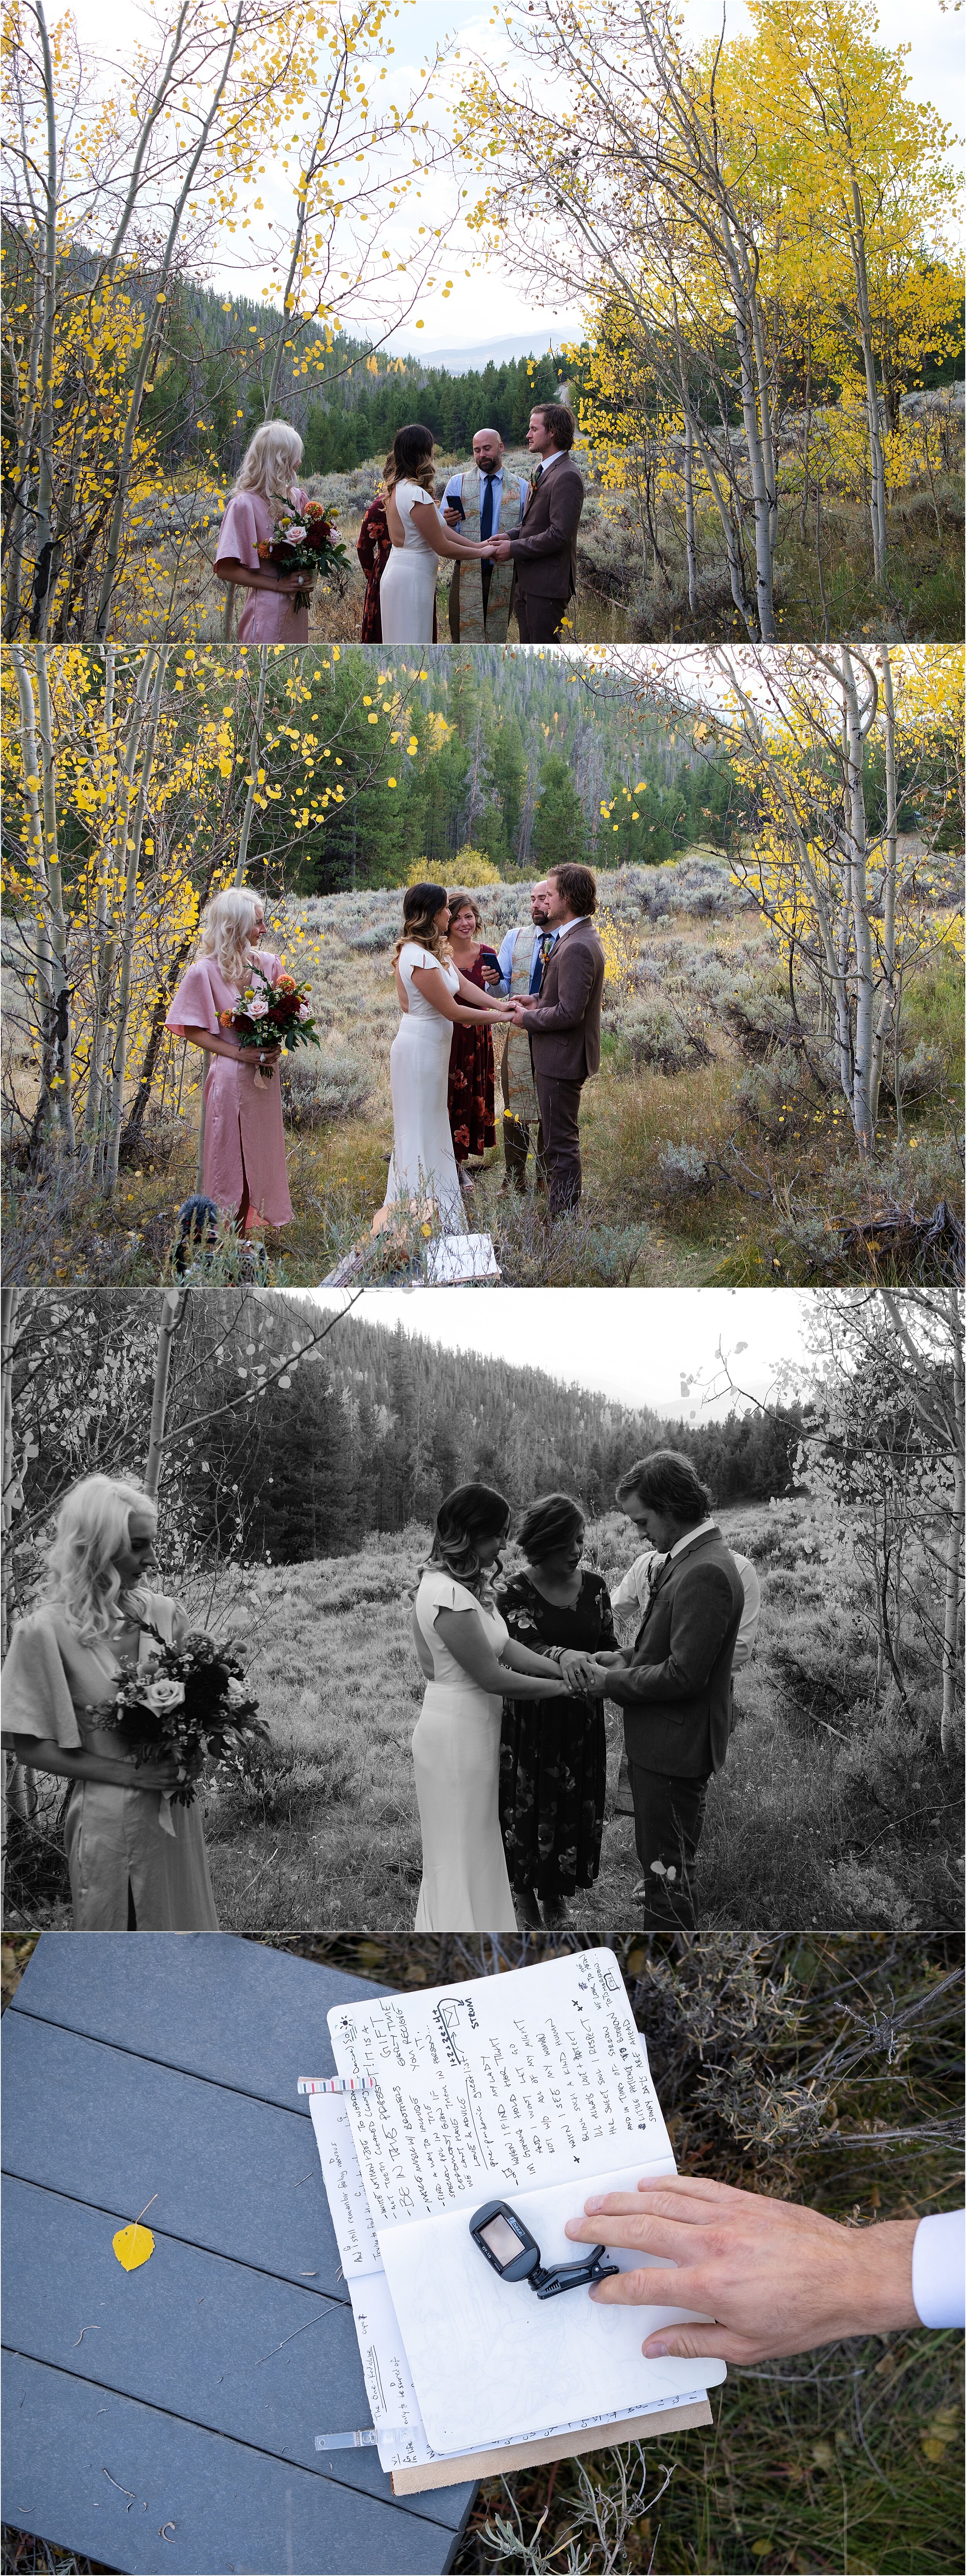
point(133, 2246)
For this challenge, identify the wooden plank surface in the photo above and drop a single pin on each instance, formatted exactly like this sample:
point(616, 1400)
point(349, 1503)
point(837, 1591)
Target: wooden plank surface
point(229, 2010)
point(214, 2365)
point(233, 2511)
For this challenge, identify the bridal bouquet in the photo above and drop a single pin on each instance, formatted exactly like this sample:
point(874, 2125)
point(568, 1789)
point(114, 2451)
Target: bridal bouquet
point(303, 540)
point(185, 1704)
point(268, 1014)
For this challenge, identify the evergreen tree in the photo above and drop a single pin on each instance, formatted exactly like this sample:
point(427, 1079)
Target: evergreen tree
point(559, 825)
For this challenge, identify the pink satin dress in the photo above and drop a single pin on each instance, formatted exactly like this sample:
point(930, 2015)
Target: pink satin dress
point(244, 1136)
point(267, 617)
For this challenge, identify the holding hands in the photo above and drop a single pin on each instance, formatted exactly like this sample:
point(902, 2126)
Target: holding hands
point(583, 1673)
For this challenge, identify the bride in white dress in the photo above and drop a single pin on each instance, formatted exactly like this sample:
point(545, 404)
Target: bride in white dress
point(407, 591)
point(465, 1652)
point(432, 995)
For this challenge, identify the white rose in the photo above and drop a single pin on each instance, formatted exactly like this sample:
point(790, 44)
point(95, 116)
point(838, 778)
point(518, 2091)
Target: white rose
point(304, 1012)
point(295, 536)
point(163, 1695)
point(235, 1693)
point(257, 1011)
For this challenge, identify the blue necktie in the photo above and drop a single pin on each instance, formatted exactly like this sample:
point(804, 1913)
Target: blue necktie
point(486, 513)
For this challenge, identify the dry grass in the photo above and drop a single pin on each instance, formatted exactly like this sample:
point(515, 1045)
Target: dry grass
point(693, 1058)
point(834, 1805)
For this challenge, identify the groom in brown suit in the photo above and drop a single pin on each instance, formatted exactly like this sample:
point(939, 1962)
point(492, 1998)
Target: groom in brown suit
point(545, 552)
point(562, 1021)
point(674, 1683)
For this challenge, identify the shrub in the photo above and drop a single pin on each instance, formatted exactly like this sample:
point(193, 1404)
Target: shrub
point(325, 1085)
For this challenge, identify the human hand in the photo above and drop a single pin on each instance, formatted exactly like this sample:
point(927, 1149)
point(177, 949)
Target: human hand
point(576, 1668)
point(161, 1777)
point(776, 2278)
point(452, 517)
point(267, 1055)
point(293, 581)
point(501, 549)
point(491, 976)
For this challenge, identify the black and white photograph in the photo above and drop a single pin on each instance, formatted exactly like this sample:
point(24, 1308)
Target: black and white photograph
point(454, 1611)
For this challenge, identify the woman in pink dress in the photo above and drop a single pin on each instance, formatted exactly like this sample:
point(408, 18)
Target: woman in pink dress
point(244, 1149)
point(266, 484)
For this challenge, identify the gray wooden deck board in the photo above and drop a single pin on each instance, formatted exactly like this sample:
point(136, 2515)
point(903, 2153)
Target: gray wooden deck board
point(165, 2064)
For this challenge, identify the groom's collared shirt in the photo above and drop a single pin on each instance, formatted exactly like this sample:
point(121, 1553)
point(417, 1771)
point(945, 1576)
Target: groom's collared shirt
point(453, 491)
point(505, 953)
point(636, 1586)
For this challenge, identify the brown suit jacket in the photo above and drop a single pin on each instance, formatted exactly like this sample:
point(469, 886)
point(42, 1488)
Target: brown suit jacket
point(545, 552)
point(674, 1683)
point(564, 1025)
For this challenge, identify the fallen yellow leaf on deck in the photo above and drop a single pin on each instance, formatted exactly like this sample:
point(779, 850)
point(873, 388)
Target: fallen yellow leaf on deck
point(133, 2245)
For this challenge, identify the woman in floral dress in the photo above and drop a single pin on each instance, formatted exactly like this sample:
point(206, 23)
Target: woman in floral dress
point(469, 1097)
point(553, 1754)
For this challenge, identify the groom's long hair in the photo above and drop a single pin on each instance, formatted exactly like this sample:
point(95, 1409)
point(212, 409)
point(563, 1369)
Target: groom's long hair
point(469, 1514)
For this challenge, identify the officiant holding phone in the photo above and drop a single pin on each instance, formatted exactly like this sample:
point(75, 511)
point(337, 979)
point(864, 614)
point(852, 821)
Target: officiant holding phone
point(483, 501)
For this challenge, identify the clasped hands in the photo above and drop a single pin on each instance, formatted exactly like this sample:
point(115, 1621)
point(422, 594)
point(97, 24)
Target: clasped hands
point(586, 1674)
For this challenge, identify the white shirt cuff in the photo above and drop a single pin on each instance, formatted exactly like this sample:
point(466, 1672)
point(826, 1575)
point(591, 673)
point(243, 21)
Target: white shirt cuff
point(939, 2269)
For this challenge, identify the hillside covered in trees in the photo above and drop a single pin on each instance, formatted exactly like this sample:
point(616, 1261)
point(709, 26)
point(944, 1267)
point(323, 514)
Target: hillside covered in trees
point(365, 1433)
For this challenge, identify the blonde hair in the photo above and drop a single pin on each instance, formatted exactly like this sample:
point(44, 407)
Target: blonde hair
point(270, 461)
point(421, 903)
point(92, 1526)
point(226, 932)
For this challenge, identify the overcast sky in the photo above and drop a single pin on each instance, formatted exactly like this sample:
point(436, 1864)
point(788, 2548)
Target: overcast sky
point(488, 303)
point(634, 1344)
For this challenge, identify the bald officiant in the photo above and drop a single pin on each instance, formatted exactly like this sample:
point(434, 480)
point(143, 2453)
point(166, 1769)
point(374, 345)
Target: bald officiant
point(483, 502)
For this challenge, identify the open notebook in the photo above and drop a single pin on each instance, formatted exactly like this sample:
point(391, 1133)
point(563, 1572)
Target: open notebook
point(532, 2088)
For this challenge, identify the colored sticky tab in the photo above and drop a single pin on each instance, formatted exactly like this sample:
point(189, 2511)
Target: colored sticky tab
point(133, 2245)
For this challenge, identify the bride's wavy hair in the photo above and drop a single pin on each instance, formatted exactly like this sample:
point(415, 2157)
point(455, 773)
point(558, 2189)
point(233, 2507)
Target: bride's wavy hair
point(410, 459)
point(420, 904)
point(92, 1526)
point(467, 1517)
point(226, 932)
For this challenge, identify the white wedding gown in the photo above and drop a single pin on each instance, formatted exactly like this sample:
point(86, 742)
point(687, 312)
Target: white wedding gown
point(456, 1754)
point(407, 591)
point(423, 1162)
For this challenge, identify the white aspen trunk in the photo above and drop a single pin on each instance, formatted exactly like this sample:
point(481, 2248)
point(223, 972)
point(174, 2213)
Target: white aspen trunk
point(45, 574)
point(689, 516)
point(62, 1077)
point(151, 326)
point(18, 533)
point(760, 493)
point(862, 1119)
point(317, 157)
point(44, 949)
point(877, 494)
point(888, 1019)
point(99, 987)
point(106, 963)
point(119, 1068)
point(253, 751)
point(172, 1304)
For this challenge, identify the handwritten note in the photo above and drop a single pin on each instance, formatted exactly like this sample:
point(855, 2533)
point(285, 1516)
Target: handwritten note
point(537, 2076)
point(532, 2085)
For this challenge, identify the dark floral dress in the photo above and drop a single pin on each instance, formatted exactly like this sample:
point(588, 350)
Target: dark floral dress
point(553, 1753)
point(374, 547)
point(469, 1098)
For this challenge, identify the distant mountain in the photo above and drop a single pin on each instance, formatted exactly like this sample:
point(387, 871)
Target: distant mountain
point(459, 362)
